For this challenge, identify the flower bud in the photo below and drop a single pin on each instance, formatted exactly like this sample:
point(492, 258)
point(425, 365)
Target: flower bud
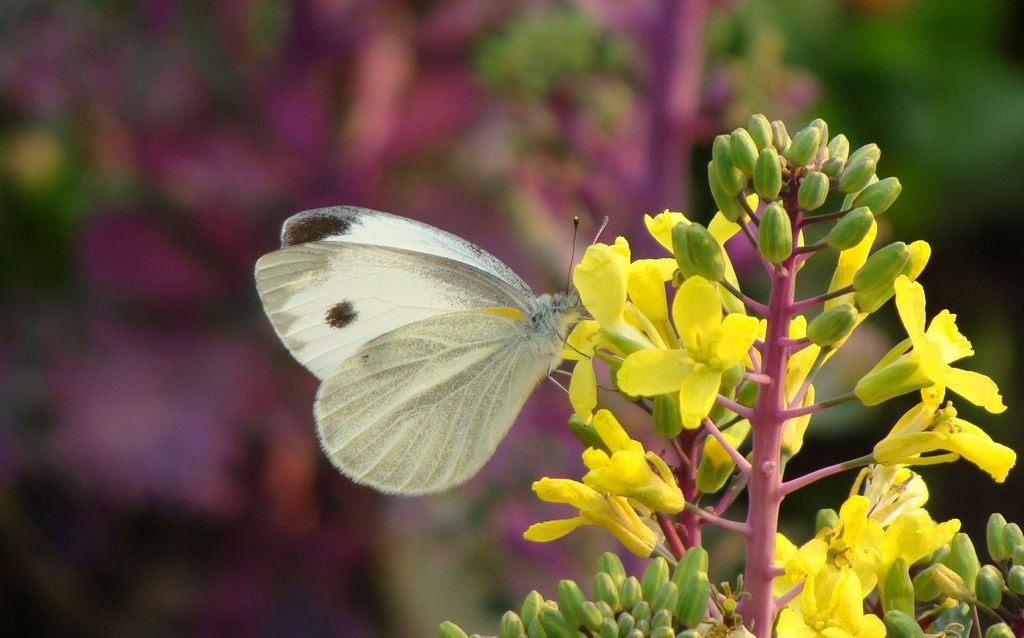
point(851, 229)
point(611, 564)
point(665, 598)
point(775, 234)
point(839, 147)
point(767, 174)
point(994, 538)
point(605, 590)
point(901, 625)
point(642, 611)
point(654, 577)
point(1000, 630)
point(585, 433)
point(748, 395)
point(856, 175)
point(1015, 579)
point(716, 466)
point(555, 625)
point(925, 588)
point(609, 629)
point(744, 150)
point(570, 602)
point(882, 267)
point(898, 589)
point(1018, 556)
point(822, 127)
point(604, 608)
point(667, 420)
point(780, 136)
point(1013, 537)
point(626, 623)
point(832, 325)
point(813, 191)
point(963, 559)
point(950, 583)
point(804, 146)
point(989, 586)
point(681, 249)
point(511, 626)
point(880, 195)
point(724, 167)
point(630, 593)
point(448, 629)
point(592, 616)
point(663, 617)
point(833, 166)
point(662, 632)
point(705, 253)
point(531, 607)
point(689, 633)
point(760, 130)
point(826, 517)
point(693, 562)
point(727, 202)
point(693, 601)
point(868, 151)
point(890, 381)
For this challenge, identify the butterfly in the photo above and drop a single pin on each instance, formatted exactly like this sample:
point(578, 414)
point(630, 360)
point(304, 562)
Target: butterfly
point(426, 345)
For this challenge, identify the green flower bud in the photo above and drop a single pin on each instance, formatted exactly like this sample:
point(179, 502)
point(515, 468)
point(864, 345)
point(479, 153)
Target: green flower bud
point(727, 202)
point(536, 629)
point(994, 538)
point(636, 633)
point(611, 564)
point(663, 617)
point(642, 611)
point(804, 146)
point(925, 588)
point(604, 608)
point(775, 234)
point(626, 623)
point(898, 624)
point(731, 377)
point(448, 629)
point(767, 174)
point(693, 601)
point(822, 127)
point(630, 593)
point(586, 433)
point(704, 252)
point(693, 562)
point(1015, 579)
point(605, 589)
point(890, 381)
point(963, 559)
point(654, 577)
point(1000, 630)
point(833, 166)
point(851, 229)
point(760, 130)
point(839, 147)
point(689, 633)
point(724, 167)
point(592, 616)
point(748, 395)
point(950, 583)
point(667, 421)
point(780, 136)
point(989, 586)
point(832, 325)
point(898, 589)
point(813, 191)
point(662, 632)
point(555, 625)
point(570, 602)
point(609, 629)
point(681, 249)
point(1013, 537)
point(882, 267)
point(744, 150)
point(511, 625)
point(827, 517)
point(856, 175)
point(642, 628)
point(868, 151)
point(880, 195)
point(531, 607)
point(1018, 556)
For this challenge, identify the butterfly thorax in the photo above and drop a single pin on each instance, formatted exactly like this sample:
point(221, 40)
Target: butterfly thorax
point(556, 313)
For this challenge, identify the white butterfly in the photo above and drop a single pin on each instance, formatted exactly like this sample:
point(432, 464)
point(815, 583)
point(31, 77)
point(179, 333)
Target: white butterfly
point(427, 346)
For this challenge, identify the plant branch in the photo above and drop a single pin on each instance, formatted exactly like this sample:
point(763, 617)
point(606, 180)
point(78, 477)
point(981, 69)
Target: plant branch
point(734, 407)
point(742, 464)
point(810, 302)
point(714, 519)
point(803, 481)
point(753, 304)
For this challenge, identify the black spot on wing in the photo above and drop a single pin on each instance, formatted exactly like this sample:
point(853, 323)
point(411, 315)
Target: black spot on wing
point(314, 225)
point(341, 314)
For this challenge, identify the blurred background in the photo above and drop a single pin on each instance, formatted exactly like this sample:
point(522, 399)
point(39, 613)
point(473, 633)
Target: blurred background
point(159, 475)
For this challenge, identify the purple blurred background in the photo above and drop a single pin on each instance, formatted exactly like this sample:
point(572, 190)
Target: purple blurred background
point(159, 475)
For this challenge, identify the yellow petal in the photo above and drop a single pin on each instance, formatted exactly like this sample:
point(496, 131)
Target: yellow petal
point(722, 229)
point(601, 278)
point(660, 227)
point(943, 331)
point(976, 388)
point(910, 303)
point(582, 340)
point(652, 372)
point(850, 261)
point(613, 434)
point(697, 312)
point(551, 530)
point(697, 395)
point(583, 389)
point(738, 334)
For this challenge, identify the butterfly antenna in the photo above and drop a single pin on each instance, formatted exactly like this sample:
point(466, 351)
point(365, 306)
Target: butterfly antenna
point(604, 224)
point(572, 255)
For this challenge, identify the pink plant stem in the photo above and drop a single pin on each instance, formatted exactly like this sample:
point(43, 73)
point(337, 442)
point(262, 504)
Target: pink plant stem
point(802, 481)
point(765, 487)
point(675, 544)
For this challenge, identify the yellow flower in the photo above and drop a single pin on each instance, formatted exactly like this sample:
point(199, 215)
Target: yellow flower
point(614, 513)
point(839, 547)
point(602, 278)
point(911, 537)
point(646, 289)
point(830, 606)
point(924, 360)
point(796, 372)
point(927, 428)
point(713, 344)
point(580, 346)
point(893, 491)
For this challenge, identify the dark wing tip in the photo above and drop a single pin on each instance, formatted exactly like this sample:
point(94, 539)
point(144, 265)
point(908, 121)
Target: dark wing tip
point(318, 224)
